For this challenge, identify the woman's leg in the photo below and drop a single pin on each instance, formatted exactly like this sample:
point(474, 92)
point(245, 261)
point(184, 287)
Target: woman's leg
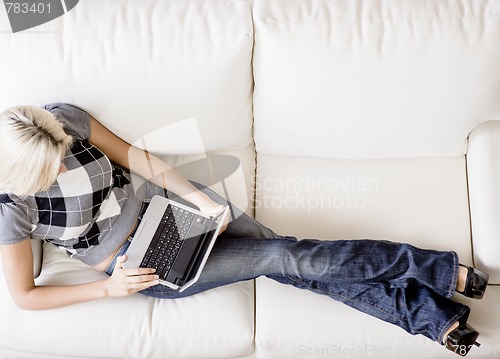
point(414, 308)
point(398, 283)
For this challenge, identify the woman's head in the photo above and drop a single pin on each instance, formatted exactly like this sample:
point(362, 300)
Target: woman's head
point(32, 145)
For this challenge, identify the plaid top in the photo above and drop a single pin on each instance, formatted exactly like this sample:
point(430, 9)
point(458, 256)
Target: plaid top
point(88, 211)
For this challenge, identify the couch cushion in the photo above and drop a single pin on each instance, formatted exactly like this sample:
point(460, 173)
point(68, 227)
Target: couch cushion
point(146, 69)
point(137, 67)
point(374, 79)
point(421, 201)
point(214, 324)
point(294, 324)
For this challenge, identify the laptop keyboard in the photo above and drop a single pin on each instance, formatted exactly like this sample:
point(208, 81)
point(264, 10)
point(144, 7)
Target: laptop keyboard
point(167, 240)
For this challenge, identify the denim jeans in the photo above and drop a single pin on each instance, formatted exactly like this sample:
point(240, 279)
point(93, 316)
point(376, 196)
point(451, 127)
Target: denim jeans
point(396, 282)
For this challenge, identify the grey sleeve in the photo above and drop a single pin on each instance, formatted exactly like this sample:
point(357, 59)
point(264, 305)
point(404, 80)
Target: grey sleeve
point(75, 120)
point(15, 225)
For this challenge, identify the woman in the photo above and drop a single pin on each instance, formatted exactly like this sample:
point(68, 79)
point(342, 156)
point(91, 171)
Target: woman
point(64, 179)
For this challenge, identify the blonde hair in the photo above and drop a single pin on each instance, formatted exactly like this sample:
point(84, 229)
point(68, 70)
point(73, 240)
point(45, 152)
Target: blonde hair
point(32, 143)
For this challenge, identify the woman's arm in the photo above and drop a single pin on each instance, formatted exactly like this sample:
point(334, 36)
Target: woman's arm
point(149, 167)
point(18, 269)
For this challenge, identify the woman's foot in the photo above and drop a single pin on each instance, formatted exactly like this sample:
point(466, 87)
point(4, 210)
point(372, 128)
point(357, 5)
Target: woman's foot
point(460, 338)
point(471, 282)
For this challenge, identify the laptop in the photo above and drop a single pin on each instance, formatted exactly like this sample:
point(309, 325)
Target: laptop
point(174, 239)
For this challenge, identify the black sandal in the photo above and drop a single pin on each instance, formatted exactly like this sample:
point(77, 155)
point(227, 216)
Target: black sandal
point(461, 339)
point(475, 284)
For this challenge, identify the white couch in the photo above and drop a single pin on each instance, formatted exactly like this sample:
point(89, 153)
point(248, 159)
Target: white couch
point(350, 118)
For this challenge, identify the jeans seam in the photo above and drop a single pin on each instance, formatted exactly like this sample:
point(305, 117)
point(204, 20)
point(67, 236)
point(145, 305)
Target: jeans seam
point(452, 288)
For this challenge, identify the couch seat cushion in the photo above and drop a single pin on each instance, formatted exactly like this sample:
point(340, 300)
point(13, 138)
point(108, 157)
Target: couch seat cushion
point(214, 324)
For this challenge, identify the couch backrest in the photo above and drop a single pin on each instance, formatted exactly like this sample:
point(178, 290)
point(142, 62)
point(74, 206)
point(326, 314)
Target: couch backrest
point(333, 78)
point(374, 79)
point(138, 68)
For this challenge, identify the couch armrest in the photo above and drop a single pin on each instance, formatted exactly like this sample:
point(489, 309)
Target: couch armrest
point(483, 170)
point(36, 247)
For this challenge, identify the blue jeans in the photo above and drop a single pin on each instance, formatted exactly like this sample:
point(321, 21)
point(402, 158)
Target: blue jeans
point(396, 282)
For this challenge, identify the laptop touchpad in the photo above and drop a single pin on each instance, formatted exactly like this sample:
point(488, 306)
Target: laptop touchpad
point(140, 244)
point(148, 230)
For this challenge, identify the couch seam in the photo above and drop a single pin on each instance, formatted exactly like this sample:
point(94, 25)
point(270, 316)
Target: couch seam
point(381, 19)
point(254, 187)
point(471, 236)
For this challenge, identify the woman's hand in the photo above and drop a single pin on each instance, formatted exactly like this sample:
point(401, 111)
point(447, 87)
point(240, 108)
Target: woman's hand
point(213, 209)
point(124, 282)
